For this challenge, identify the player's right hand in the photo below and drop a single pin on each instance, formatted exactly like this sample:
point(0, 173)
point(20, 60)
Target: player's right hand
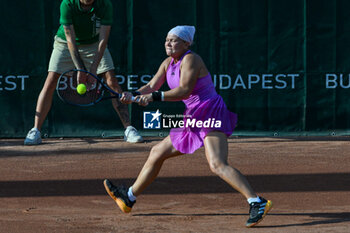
point(144, 100)
point(126, 98)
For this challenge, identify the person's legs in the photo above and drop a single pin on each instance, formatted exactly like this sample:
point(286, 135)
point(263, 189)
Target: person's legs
point(159, 153)
point(44, 102)
point(121, 109)
point(149, 172)
point(216, 151)
point(131, 134)
point(43, 106)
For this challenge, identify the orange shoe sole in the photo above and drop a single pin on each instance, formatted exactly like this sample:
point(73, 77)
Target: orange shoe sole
point(268, 207)
point(123, 207)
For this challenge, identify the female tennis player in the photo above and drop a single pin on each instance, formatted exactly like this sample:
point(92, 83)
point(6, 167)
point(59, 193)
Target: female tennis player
point(189, 81)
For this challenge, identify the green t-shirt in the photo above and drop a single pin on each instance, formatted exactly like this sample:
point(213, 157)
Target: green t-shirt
point(86, 23)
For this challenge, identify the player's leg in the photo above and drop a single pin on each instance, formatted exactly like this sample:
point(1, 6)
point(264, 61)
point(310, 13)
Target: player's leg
point(44, 102)
point(121, 109)
point(216, 150)
point(131, 134)
point(126, 198)
point(43, 106)
point(159, 153)
point(60, 61)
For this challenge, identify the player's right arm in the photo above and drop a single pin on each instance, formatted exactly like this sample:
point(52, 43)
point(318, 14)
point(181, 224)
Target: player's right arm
point(73, 50)
point(153, 85)
point(66, 20)
point(158, 79)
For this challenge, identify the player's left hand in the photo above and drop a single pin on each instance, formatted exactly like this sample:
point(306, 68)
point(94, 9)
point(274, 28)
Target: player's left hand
point(91, 81)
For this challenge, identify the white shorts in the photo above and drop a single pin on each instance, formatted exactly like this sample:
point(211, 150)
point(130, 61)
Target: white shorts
point(61, 59)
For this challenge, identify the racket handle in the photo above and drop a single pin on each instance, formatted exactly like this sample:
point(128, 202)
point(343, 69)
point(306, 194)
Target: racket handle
point(132, 98)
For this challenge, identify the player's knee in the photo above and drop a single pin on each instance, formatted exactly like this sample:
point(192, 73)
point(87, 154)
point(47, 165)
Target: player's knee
point(156, 154)
point(50, 85)
point(110, 81)
point(51, 82)
point(113, 82)
point(216, 166)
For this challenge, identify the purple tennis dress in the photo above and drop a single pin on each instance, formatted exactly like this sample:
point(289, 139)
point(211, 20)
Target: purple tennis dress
point(205, 112)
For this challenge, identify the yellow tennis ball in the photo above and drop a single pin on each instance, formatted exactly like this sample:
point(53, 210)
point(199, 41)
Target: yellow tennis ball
point(81, 89)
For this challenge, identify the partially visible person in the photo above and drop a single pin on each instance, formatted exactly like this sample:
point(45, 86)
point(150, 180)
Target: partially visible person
point(189, 81)
point(81, 43)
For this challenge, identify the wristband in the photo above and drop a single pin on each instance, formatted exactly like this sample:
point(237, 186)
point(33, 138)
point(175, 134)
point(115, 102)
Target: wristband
point(135, 93)
point(157, 96)
point(162, 96)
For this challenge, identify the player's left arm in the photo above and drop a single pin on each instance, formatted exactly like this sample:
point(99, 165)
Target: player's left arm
point(106, 21)
point(190, 69)
point(102, 45)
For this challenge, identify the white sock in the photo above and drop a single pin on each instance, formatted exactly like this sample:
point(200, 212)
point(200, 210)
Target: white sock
point(36, 129)
point(131, 195)
point(253, 199)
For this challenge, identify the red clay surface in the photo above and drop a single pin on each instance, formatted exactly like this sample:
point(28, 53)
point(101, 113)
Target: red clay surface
point(57, 187)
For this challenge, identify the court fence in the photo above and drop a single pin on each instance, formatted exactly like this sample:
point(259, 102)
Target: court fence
point(282, 66)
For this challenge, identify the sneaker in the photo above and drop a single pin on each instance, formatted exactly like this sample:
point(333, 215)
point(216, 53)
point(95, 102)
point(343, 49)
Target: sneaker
point(119, 195)
point(132, 135)
point(257, 211)
point(33, 137)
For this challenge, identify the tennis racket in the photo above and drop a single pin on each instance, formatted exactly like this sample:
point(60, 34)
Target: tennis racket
point(67, 89)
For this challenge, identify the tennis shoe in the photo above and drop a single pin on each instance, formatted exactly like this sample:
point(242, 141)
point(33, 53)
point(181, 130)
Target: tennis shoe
point(132, 135)
point(120, 195)
point(33, 137)
point(258, 211)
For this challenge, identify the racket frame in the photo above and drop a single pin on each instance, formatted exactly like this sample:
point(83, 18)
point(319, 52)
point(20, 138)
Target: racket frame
point(99, 81)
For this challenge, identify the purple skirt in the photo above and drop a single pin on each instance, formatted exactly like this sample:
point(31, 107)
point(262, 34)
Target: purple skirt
point(204, 117)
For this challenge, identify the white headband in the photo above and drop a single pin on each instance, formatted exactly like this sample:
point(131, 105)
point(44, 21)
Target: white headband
point(184, 32)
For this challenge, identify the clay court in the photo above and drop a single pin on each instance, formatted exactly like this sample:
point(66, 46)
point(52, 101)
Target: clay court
point(57, 187)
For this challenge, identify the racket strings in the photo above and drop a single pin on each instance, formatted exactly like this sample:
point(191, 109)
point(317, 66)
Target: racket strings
point(67, 90)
